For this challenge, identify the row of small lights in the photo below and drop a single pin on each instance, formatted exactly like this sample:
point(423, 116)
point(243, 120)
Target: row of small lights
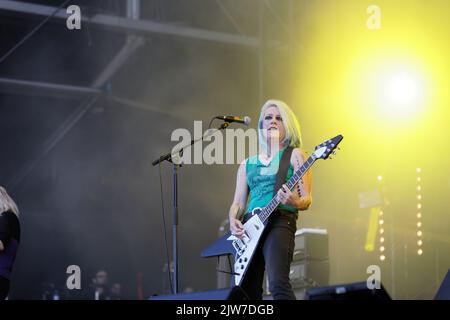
point(419, 212)
point(419, 217)
point(381, 230)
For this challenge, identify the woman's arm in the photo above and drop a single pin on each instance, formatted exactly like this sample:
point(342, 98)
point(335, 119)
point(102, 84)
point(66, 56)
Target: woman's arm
point(300, 197)
point(239, 201)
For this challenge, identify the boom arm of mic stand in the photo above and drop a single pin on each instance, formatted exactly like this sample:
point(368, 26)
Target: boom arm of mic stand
point(162, 158)
point(168, 156)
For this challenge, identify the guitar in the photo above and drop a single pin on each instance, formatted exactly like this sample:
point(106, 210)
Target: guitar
point(244, 249)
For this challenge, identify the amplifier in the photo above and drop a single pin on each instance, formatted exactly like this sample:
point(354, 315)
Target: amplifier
point(307, 273)
point(311, 244)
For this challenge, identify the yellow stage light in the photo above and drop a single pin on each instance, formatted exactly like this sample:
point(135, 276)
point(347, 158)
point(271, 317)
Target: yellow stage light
point(402, 91)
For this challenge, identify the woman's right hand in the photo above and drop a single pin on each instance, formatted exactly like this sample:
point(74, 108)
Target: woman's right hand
point(236, 228)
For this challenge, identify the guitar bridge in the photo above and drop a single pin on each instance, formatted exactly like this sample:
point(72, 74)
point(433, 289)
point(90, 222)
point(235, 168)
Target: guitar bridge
point(241, 244)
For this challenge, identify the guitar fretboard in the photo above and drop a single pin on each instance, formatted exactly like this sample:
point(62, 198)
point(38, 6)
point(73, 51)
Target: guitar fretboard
point(273, 204)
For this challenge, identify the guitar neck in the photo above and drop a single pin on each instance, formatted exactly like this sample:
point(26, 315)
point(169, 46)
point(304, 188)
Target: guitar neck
point(273, 204)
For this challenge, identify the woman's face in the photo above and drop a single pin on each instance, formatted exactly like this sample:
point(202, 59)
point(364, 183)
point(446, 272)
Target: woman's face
point(273, 123)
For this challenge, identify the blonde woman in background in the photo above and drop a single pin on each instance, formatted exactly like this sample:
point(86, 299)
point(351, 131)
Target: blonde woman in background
point(9, 239)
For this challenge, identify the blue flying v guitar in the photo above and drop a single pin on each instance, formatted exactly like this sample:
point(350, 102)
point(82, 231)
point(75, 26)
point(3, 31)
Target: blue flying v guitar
point(243, 249)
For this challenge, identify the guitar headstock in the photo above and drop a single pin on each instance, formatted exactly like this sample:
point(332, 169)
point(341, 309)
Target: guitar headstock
point(323, 150)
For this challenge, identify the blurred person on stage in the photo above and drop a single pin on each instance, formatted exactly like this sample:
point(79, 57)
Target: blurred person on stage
point(9, 240)
point(99, 288)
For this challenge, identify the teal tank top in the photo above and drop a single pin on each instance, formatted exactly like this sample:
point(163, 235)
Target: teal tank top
point(261, 180)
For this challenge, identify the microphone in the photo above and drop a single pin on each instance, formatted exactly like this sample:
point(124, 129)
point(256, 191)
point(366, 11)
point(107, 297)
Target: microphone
point(245, 120)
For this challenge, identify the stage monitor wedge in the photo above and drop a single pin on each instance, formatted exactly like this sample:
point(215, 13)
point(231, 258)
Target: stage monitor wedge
point(444, 290)
point(234, 293)
point(351, 291)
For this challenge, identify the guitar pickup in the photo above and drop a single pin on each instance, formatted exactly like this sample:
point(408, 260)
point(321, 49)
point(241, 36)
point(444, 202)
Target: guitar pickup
point(245, 238)
point(239, 246)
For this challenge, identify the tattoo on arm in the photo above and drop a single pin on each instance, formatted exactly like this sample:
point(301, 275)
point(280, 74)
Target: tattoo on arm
point(301, 180)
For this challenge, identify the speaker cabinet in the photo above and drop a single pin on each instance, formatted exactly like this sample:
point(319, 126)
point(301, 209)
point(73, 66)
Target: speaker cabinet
point(309, 273)
point(310, 246)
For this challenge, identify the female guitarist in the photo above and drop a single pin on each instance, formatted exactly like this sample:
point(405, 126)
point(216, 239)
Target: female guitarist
point(278, 129)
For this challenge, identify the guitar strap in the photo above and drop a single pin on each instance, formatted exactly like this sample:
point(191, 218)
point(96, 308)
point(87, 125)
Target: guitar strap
point(283, 169)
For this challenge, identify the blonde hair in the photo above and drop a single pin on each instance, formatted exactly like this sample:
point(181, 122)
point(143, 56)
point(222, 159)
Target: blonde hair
point(293, 136)
point(6, 203)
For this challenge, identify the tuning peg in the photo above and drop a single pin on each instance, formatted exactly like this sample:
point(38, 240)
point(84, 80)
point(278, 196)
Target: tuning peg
point(339, 148)
point(334, 152)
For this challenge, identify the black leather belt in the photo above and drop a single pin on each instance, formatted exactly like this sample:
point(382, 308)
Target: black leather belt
point(276, 213)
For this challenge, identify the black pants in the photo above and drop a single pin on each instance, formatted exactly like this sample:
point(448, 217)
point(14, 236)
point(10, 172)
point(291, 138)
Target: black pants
point(274, 254)
point(4, 288)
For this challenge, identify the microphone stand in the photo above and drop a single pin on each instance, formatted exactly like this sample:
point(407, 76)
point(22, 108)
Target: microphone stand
point(169, 157)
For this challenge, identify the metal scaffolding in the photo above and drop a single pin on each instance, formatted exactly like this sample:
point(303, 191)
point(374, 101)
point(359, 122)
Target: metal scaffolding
point(137, 30)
